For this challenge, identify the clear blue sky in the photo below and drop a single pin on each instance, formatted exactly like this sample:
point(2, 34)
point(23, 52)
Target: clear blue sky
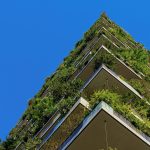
point(35, 36)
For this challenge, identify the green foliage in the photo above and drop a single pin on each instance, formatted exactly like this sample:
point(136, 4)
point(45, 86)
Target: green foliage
point(137, 85)
point(59, 92)
point(116, 102)
point(55, 86)
point(41, 108)
point(106, 59)
point(142, 86)
point(65, 105)
point(120, 33)
point(31, 144)
point(61, 87)
point(78, 43)
point(9, 144)
point(66, 128)
point(142, 108)
point(137, 58)
point(89, 35)
point(104, 95)
point(1, 145)
point(58, 88)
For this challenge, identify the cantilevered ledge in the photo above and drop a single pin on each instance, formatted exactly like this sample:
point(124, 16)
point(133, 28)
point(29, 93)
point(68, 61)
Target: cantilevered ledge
point(120, 67)
point(103, 126)
point(48, 126)
point(60, 132)
point(104, 78)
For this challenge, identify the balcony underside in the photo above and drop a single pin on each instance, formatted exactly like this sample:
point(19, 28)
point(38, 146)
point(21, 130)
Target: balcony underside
point(104, 128)
point(65, 126)
point(119, 67)
point(106, 79)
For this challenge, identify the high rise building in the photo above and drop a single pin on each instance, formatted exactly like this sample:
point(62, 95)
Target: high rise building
point(99, 98)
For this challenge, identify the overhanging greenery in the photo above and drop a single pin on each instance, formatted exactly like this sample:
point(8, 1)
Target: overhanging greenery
point(59, 91)
point(116, 101)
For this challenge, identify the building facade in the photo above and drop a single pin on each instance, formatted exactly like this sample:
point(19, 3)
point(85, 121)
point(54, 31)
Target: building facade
point(97, 99)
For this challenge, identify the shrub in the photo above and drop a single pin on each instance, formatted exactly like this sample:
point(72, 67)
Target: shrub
point(116, 102)
point(106, 59)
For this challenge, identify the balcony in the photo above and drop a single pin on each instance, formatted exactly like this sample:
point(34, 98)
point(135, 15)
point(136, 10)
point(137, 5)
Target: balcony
point(120, 67)
point(104, 78)
point(127, 42)
point(20, 146)
point(107, 128)
point(65, 126)
point(113, 38)
point(49, 125)
point(96, 44)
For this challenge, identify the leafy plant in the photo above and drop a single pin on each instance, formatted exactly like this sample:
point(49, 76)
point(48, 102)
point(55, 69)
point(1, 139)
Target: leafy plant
point(106, 59)
point(116, 102)
point(31, 144)
point(59, 91)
